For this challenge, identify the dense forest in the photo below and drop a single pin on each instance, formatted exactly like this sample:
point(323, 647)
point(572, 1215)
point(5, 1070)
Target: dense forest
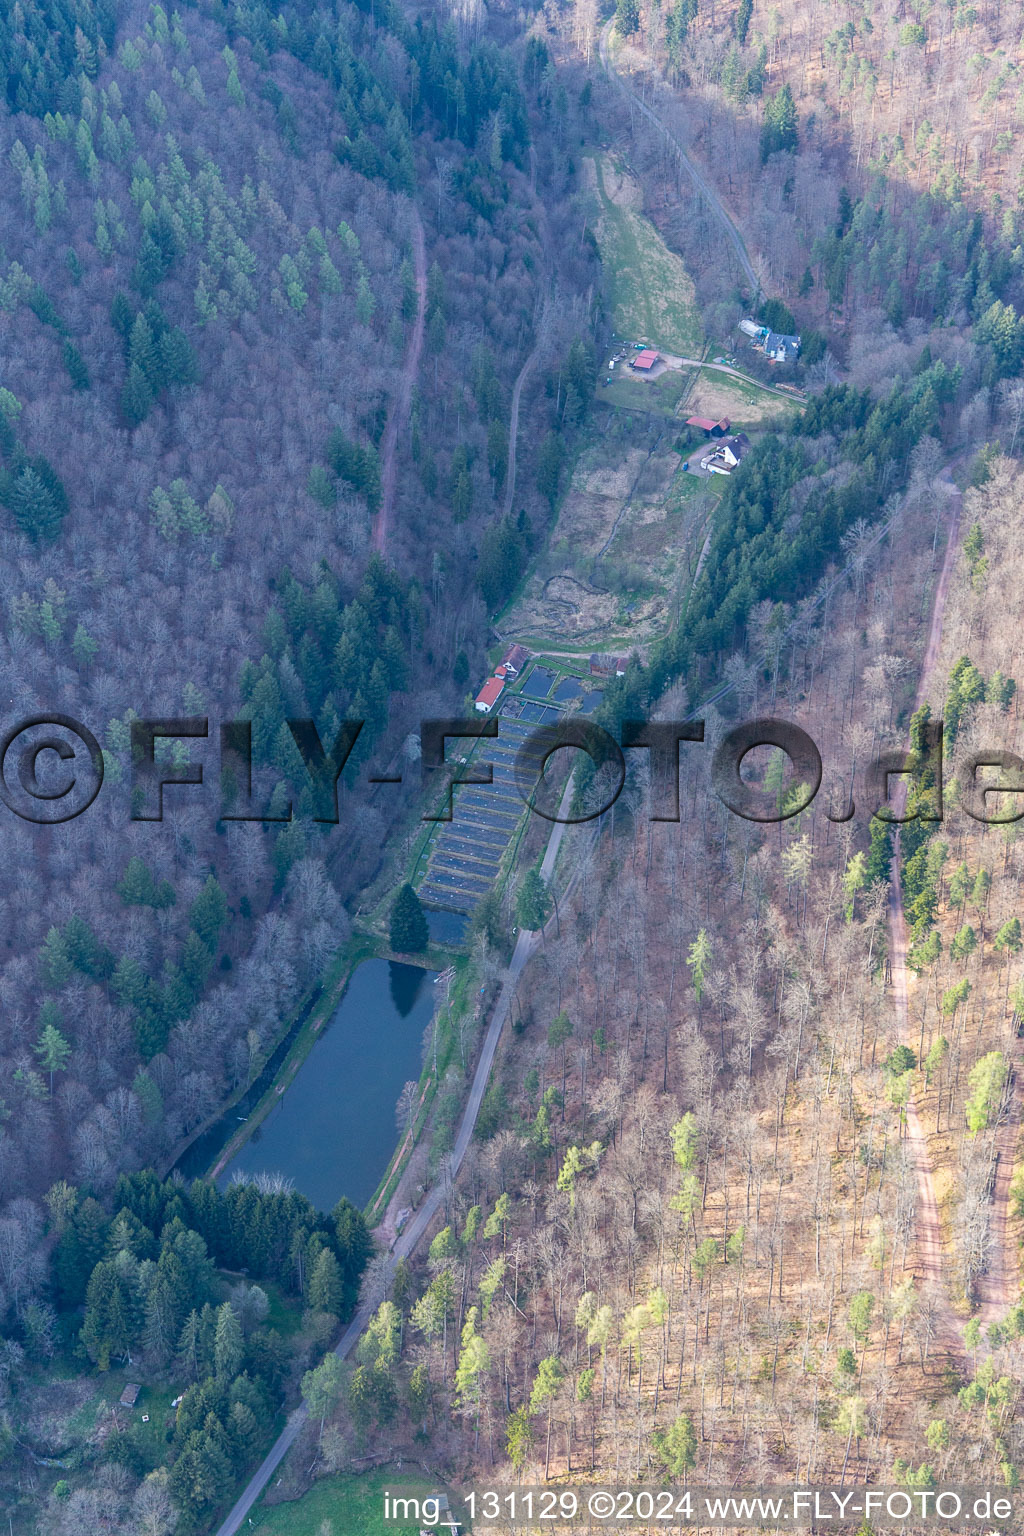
point(212, 504)
point(206, 300)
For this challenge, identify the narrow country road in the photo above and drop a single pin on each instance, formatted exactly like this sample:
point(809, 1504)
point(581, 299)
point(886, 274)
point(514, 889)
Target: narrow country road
point(398, 416)
point(929, 1228)
point(700, 181)
point(526, 943)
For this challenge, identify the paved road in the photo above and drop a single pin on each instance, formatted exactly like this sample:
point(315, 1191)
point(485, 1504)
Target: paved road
point(526, 943)
point(700, 181)
point(399, 413)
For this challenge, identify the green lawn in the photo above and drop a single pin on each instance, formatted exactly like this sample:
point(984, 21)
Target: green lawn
point(652, 290)
point(747, 402)
point(353, 1505)
point(285, 1314)
point(685, 486)
point(661, 395)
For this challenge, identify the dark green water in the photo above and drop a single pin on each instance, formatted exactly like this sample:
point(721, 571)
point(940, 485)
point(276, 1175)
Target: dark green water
point(334, 1130)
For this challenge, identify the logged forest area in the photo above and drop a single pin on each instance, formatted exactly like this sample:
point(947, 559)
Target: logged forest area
point(372, 368)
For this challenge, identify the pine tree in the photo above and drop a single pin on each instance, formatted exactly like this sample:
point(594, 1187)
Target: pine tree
point(53, 1051)
point(136, 397)
point(55, 961)
point(549, 466)
point(142, 351)
point(209, 912)
point(533, 901)
point(779, 131)
point(325, 1288)
point(627, 17)
point(497, 452)
point(84, 647)
point(409, 933)
point(178, 362)
point(137, 887)
point(743, 16)
point(75, 364)
point(228, 1346)
point(34, 503)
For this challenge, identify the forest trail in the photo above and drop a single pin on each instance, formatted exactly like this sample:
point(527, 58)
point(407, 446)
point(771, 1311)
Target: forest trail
point(513, 425)
point(399, 413)
point(700, 181)
point(929, 1228)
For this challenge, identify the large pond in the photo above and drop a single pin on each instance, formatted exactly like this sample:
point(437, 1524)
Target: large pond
point(334, 1131)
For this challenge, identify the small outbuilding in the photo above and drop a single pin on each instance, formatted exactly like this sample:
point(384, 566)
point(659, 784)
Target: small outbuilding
point(607, 666)
point(130, 1395)
point(645, 360)
point(489, 695)
point(708, 427)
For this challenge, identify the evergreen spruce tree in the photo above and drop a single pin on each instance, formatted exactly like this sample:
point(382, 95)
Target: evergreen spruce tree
point(533, 902)
point(36, 500)
point(325, 1287)
point(779, 131)
point(228, 1347)
point(409, 932)
point(136, 397)
point(627, 17)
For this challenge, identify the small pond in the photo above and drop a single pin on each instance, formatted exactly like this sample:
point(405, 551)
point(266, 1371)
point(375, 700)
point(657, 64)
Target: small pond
point(334, 1129)
point(447, 927)
point(568, 688)
point(538, 684)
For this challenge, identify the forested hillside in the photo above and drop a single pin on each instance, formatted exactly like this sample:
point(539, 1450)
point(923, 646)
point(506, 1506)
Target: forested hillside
point(302, 318)
point(207, 287)
point(222, 226)
point(871, 158)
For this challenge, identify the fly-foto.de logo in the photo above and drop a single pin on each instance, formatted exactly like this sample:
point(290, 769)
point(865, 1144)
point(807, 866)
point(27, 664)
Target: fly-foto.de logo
point(52, 769)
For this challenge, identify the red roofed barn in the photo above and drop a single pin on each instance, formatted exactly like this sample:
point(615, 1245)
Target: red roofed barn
point(489, 695)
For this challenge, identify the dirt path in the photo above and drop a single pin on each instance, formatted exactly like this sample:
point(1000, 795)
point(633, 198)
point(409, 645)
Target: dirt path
point(929, 1228)
point(399, 413)
point(513, 425)
point(799, 397)
point(700, 181)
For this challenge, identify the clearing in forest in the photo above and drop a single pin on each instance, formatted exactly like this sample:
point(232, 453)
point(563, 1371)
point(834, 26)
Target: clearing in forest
point(716, 394)
point(624, 549)
point(652, 291)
